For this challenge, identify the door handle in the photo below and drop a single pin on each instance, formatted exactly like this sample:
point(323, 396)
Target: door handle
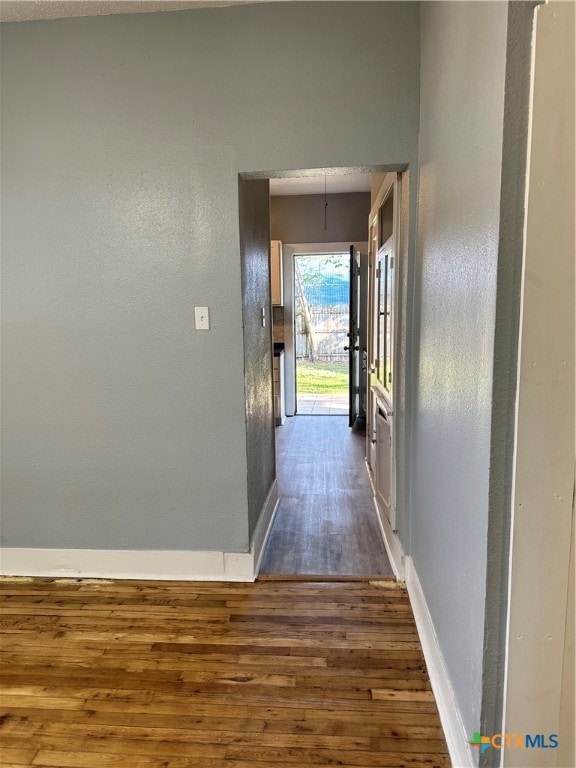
point(355, 348)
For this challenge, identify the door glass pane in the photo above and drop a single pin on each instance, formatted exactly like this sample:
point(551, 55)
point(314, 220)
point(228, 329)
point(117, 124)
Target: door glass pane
point(384, 320)
point(381, 319)
point(388, 337)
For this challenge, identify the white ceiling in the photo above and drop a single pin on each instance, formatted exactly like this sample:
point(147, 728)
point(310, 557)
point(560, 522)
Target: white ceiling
point(31, 10)
point(314, 185)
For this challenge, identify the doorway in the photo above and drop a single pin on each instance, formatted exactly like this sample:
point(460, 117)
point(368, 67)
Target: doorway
point(321, 330)
point(345, 350)
point(326, 525)
point(322, 483)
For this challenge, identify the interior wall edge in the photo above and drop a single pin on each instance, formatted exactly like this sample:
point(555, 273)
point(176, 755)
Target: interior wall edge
point(264, 525)
point(254, 232)
point(505, 357)
point(543, 470)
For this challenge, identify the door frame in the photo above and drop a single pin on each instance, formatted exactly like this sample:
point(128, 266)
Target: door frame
point(289, 251)
point(379, 399)
point(356, 383)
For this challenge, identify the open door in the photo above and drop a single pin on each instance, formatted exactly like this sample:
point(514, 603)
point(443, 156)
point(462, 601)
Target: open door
point(353, 346)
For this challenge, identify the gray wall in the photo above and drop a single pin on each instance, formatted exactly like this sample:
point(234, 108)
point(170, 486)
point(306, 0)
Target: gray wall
point(462, 95)
point(122, 141)
point(255, 254)
point(300, 218)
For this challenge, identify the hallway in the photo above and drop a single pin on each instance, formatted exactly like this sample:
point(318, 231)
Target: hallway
point(326, 524)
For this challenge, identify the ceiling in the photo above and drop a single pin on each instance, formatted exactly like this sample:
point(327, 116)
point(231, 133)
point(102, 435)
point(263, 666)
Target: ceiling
point(314, 185)
point(32, 10)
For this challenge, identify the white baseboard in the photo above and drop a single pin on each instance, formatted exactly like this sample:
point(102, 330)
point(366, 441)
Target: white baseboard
point(151, 564)
point(392, 544)
point(456, 737)
point(264, 526)
point(128, 564)
point(391, 541)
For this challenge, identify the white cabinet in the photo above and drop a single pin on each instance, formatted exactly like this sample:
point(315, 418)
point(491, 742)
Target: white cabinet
point(276, 280)
point(384, 464)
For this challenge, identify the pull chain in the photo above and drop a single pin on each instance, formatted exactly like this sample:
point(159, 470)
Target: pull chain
point(325, 207)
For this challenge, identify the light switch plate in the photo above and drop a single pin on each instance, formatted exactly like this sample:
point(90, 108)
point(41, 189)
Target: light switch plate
point(202, 318)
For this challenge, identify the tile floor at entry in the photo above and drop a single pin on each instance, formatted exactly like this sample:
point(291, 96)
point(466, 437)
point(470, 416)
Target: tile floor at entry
point(322, 405)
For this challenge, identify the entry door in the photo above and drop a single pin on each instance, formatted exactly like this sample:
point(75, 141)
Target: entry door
point(353, 345)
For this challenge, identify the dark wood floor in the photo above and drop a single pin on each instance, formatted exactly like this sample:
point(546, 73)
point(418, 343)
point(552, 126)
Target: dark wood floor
point(326, 523)
point(190, 675)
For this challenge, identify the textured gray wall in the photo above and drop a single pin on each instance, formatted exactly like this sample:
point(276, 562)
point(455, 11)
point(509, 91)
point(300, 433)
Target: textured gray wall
point(462, 96)
point(122, 141)
point(300, 218)
point(255, 254)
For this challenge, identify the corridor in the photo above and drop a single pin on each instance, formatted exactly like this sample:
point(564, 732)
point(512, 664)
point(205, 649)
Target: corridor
point(326, 524)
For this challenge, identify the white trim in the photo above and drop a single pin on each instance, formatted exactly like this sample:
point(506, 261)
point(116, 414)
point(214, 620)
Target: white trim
point(534, 691)
point(176, 565)
point(383, 402)
point(264, 526)
point(382, 194)
point(456, 737)
point(518, 378)
point(238, 566)
point(391, 541)
point(128, 564)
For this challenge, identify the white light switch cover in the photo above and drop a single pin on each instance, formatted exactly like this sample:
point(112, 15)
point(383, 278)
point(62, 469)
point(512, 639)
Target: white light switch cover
point(202, 318)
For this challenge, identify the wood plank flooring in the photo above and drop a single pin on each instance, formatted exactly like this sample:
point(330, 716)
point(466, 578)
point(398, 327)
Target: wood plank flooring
point(196, 675)
point(326, 523)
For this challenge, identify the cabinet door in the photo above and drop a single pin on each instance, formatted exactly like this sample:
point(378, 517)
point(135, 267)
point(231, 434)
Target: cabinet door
point(384, 465)
point(276, 281)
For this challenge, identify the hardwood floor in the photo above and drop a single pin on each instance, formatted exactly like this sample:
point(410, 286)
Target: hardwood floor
point(197, 675)
point(326, 523)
